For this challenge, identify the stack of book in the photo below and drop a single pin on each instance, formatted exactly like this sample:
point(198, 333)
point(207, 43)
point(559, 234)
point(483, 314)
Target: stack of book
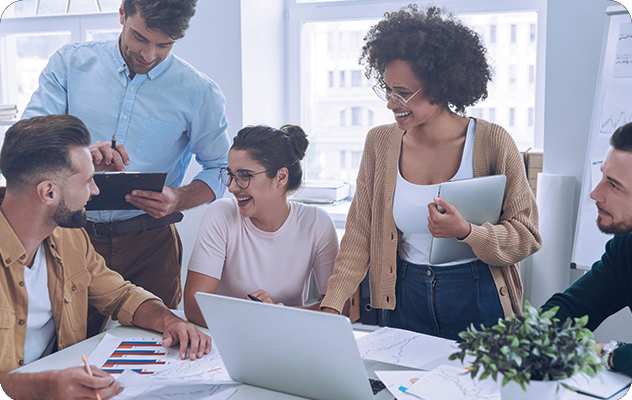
point(8, 111)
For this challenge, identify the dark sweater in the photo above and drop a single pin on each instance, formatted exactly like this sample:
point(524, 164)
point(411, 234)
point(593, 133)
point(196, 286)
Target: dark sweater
point(601, 292)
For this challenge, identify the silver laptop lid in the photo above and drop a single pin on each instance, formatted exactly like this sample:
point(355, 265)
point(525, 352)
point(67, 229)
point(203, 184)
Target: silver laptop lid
point(301, 352)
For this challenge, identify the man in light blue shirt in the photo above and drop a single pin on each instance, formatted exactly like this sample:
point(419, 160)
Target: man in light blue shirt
point(161, 112)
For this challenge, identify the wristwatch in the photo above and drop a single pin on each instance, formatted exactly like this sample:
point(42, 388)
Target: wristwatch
point(608, 350)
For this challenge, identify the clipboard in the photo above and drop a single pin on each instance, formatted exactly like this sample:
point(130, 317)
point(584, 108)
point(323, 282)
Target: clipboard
point(113, 186)
point(478, 200)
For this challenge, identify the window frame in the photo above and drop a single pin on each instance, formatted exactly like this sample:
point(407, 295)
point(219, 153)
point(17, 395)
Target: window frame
point(77, 24)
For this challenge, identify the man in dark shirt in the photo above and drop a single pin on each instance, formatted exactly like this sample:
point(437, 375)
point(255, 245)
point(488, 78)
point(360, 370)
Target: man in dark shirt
point(607, 287)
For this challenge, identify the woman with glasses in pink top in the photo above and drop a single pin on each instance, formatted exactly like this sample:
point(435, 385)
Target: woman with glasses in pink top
point(258, 245)
point(429, 68)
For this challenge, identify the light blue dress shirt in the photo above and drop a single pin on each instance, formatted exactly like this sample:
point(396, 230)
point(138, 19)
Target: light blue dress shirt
point(162, 117)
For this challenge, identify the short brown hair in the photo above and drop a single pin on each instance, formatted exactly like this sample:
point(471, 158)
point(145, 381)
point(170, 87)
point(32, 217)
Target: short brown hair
point(40, 146)
point(170, 17)
point(621, 139)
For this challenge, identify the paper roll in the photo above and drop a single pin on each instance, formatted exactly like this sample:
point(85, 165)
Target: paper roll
point(550, 267)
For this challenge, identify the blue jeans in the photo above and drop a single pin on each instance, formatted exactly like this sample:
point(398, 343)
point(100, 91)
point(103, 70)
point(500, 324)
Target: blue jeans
point(443, 301)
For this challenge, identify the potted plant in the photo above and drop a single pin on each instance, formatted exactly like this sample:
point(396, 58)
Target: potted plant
point(531, 352)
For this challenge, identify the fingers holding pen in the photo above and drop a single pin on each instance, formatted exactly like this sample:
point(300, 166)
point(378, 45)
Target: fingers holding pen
point(109, 156)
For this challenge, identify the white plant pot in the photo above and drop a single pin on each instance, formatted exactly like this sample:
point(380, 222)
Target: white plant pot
point(536, 390)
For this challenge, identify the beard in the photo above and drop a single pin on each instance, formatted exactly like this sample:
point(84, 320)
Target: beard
point(66, 218)
point(615, 228)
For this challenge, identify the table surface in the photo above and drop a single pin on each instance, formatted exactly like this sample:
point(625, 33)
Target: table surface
point(71, 357)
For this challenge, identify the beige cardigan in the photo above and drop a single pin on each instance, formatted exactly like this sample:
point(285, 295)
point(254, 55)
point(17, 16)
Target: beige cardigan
point(371, 236)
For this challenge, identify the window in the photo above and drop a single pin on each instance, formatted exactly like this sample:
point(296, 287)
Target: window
point(532, 32)
point(356, 113)
point(531, 73)
point(331, 78)
point(320, 109)
point(512, 74)
point(356, 78)
point(27, 40)
point(343, 159)
point(530, 116)
point(512, 117)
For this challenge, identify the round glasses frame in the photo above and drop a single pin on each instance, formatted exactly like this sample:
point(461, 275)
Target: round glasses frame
point(397, 98)
point(240, 176)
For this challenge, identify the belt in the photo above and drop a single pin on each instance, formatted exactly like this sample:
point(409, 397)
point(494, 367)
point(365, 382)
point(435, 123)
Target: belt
point(141, 223)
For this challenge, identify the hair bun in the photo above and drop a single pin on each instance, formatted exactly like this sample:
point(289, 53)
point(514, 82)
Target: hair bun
point(299, 139)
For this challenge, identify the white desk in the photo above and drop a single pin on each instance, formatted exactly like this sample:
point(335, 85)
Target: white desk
point(71, 357)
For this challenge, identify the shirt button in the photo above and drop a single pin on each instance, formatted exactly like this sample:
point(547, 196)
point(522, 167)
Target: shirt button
point(21, 362)
point(428, 273)
point(21, 322)
point(21, 283)
point(124, 117)
point(23, 256)
point(7, 261)
point(503, 291)
point(132, 88)
point(73, 288)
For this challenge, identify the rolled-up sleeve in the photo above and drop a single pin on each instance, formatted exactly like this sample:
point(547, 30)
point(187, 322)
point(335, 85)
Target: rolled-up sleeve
point(208, 137)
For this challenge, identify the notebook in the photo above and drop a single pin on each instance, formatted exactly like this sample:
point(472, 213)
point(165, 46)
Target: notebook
point(478, 200)
point(300, 352)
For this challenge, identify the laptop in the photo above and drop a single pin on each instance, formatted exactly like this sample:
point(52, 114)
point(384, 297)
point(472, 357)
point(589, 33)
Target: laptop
point(300, 352)
point(478, 200)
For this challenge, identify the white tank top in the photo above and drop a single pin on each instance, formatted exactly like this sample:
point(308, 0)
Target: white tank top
point(410, 207)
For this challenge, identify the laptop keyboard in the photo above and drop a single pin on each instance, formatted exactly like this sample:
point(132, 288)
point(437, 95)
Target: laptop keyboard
point(376, 385)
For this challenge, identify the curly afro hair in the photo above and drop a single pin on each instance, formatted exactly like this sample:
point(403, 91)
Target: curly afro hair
point(445, 55)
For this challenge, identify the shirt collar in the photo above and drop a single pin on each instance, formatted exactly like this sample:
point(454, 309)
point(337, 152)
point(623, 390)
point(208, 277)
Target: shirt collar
point(11, 247)
point(121, 65)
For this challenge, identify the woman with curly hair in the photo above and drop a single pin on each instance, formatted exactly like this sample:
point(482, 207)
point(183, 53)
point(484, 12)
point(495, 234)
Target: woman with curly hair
point(429, 68)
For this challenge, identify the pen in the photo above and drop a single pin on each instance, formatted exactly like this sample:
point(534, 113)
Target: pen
point(96, 391)
point(255, 298)
point(114, 141)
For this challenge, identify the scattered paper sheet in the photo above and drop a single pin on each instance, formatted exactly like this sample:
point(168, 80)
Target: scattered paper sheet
point(397, 382)
point(144, 362)
point(446, 382)
point(406, 348)
point(187, 392)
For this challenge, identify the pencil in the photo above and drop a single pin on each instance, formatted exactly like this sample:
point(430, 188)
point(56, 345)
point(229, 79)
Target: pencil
point(255, 298)
point(89, 371)
point(114, 141)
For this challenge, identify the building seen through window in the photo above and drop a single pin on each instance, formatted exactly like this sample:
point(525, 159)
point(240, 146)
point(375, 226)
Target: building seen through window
point(337, 114)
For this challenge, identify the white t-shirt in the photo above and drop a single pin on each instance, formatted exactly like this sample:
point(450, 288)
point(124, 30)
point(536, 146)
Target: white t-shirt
point(410, 207)
point(245, 259)
point(40, 326)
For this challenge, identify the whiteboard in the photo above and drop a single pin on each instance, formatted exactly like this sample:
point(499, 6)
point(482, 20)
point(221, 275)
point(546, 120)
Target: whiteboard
point(612, 108)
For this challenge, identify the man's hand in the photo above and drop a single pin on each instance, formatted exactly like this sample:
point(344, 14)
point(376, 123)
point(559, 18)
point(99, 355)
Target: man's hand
point(156, 204)
point(178, 331)
point(448, 222)
point(263, 296)
point(67, 384)
point(159, 204)
point(105, 158)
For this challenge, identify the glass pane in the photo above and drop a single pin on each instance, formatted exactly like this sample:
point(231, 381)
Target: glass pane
point(23, 8)
point(27, 56)
point(110, 5)
point(512, 55)
point(338, 105)
point(50, 7)
point(102, 34)
point(83, 6)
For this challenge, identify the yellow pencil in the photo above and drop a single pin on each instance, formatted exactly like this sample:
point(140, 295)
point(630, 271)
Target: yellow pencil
point(89, 371)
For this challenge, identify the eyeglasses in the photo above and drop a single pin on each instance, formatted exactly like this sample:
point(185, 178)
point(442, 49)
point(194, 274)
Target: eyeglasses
point(398, 99)
point(242, 177)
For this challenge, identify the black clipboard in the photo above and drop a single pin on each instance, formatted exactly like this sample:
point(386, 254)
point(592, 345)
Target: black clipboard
point(113, 187)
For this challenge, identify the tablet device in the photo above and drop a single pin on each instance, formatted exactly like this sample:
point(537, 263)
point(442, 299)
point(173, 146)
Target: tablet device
point(478, 200)
point(113, 186)
point(301, 352)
